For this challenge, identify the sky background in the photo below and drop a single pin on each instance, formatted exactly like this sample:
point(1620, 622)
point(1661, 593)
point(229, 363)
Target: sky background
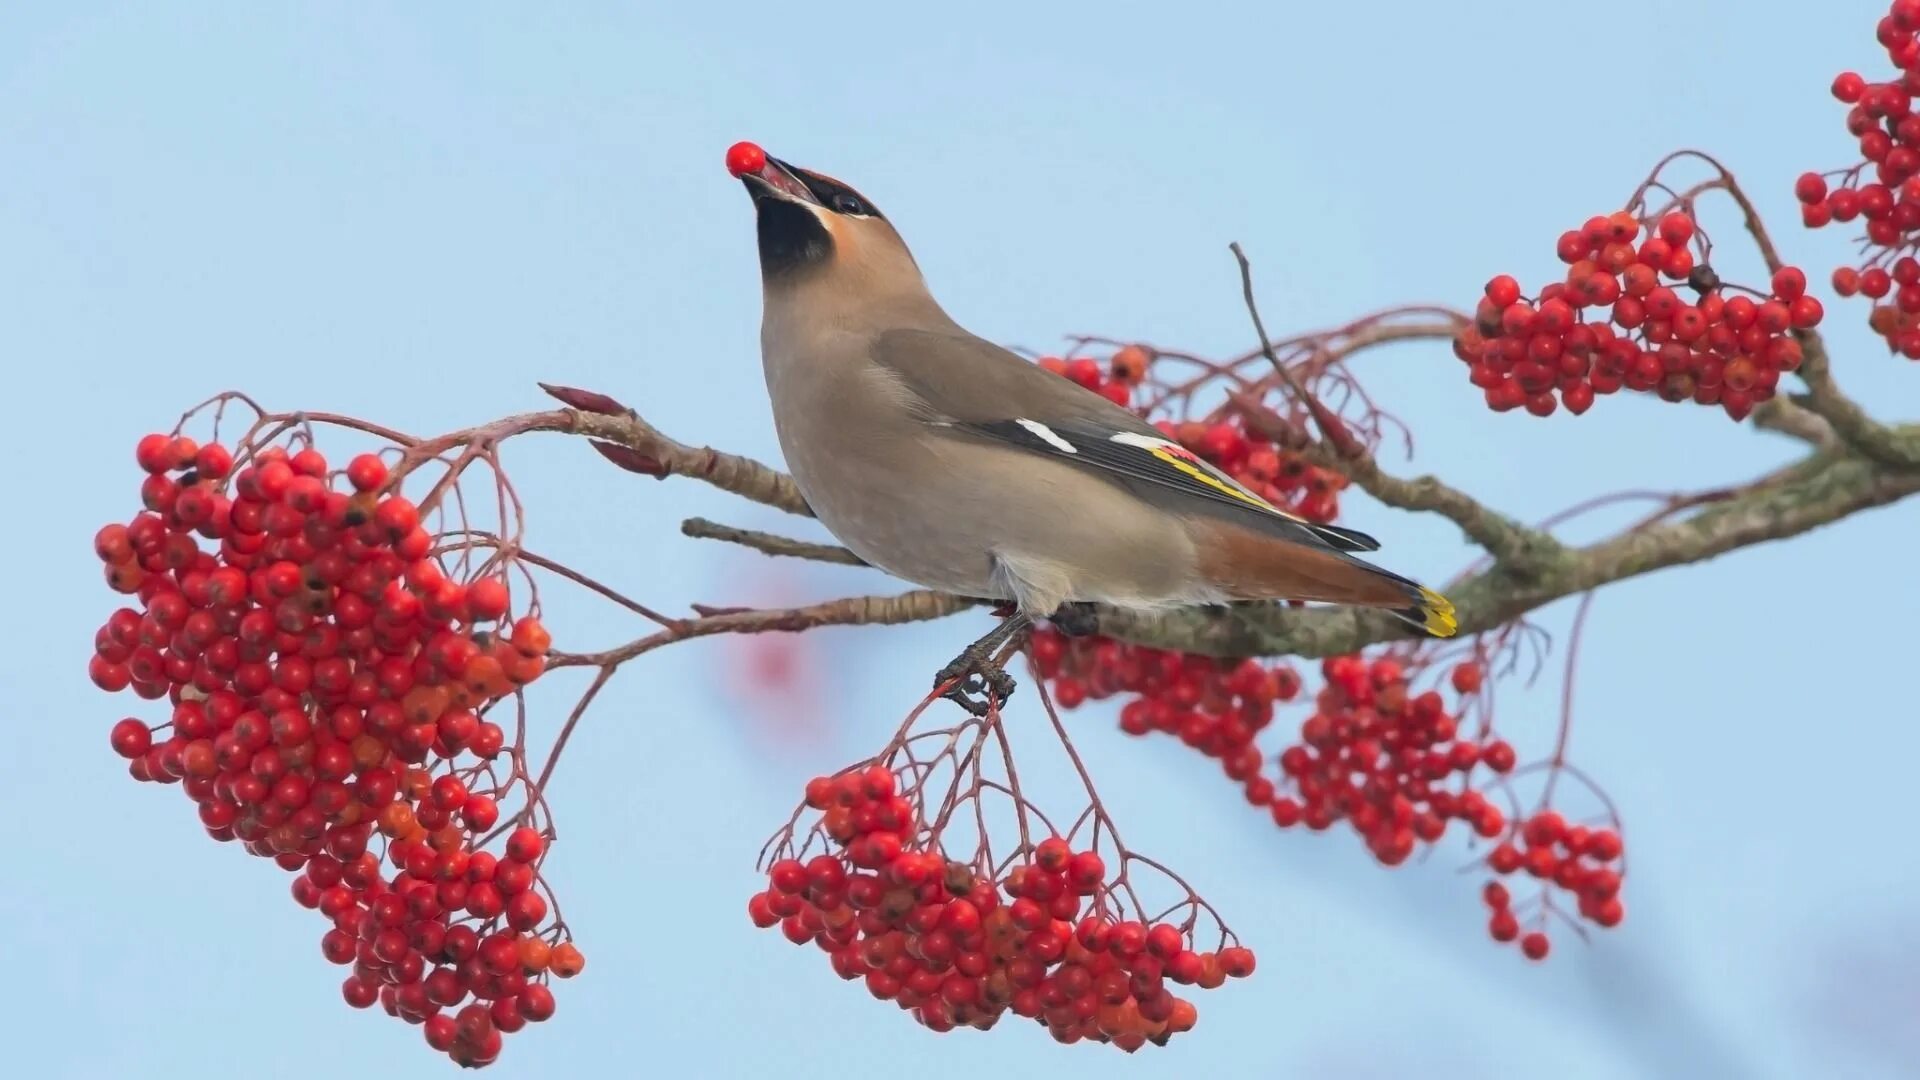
point(413, 215)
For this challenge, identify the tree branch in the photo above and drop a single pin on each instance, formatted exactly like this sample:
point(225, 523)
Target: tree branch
point(740, 475)
point(1782, 415)
point(1894, 446)
point(642, 448)
point(769, 543)
point(1822, 489)
point(919, 605)
point(1521, 548)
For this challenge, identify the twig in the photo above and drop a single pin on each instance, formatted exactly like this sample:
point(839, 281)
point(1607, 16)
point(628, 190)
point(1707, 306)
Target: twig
point(769, 543)
point(1783, 416)
point(917, 606)
point(1898, 447)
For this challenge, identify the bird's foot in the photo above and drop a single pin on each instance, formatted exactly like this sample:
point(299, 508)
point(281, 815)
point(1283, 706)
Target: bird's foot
point(982, 685)
point(982, 682)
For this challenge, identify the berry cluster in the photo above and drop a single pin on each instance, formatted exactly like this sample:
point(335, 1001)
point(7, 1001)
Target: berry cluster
point(1899, 327)
point(1503, 925)
point(328, 681)
point(1394, 764)
point(1126, 369)
point(1378, 756)
point(959, 944)
point(1883, 189)
point(1579, 860)
point(1214, 707)
point(1615, 322)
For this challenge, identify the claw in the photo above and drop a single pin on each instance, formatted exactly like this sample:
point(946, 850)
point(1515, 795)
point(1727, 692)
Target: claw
point(982, 683)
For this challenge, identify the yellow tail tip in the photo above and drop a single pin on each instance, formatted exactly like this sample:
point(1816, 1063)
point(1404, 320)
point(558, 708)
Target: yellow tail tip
point(1438, 613)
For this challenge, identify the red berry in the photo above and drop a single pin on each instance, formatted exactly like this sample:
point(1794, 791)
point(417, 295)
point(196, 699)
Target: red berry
point(154, 453)
point(213, 461)
point(536, 1003)
point(1164, 940)
point(1236, 961)
point(487, 599)
point(1504, 859)
point(1503, 926)
point(1503, 291)
point(480, 813)
point(788, 876)
point(1498, 755)
point(1086, 871)
point(524, 845)
point(526, 910)
point(131, 738)
point(1676, 229)
point(366, 472)
point(1805, 312)
point(359, 993)
point(744, 158)
point(1602, 844)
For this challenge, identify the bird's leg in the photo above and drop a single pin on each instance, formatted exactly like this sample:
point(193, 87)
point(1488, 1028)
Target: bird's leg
point(981, 678)
point(1076, 618)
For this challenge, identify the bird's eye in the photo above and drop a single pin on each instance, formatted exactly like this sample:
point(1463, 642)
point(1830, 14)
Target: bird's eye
point(848, 204)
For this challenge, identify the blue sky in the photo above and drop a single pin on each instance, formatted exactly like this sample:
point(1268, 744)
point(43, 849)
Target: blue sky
point(412, 216)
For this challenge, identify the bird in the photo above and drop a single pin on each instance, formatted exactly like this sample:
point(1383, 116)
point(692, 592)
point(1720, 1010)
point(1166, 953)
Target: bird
point(955, 464)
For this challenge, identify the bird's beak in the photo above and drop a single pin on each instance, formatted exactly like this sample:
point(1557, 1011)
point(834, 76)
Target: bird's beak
point(777, 180)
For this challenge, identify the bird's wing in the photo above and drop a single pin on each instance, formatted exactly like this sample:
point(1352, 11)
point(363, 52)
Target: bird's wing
point(972, 385)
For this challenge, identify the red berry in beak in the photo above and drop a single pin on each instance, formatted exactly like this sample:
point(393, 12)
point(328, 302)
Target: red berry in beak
point(744, 158)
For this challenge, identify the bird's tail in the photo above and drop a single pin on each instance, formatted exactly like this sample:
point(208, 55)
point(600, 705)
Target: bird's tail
point(1433, 614)
point(1251, 565)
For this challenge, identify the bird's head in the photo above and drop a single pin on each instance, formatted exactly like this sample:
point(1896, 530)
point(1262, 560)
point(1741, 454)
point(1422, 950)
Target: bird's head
point(815, 228)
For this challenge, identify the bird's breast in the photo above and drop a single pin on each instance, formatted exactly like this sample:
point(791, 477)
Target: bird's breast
point(872, 478)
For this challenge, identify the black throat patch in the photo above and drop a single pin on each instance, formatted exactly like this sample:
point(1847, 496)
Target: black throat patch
point(791, 238)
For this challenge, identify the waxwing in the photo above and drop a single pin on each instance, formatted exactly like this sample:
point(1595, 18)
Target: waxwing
point(957, 465)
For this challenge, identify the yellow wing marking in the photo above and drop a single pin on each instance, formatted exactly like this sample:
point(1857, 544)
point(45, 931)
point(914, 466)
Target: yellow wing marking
point(1186, 465)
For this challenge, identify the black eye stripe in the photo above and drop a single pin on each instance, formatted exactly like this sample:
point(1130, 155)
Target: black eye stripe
point(837, 196)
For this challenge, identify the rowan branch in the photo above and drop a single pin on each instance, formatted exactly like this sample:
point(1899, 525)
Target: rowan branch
point(1783, 416)
point(1824, 488)
point(1835, 481)
point(1851, 422)
point(1828, 485)
point(919, 605)
point(769, 543)
point(1520, 547)
point(601, 418)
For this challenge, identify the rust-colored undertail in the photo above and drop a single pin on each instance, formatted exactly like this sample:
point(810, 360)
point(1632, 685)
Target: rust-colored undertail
point(1250, 565)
